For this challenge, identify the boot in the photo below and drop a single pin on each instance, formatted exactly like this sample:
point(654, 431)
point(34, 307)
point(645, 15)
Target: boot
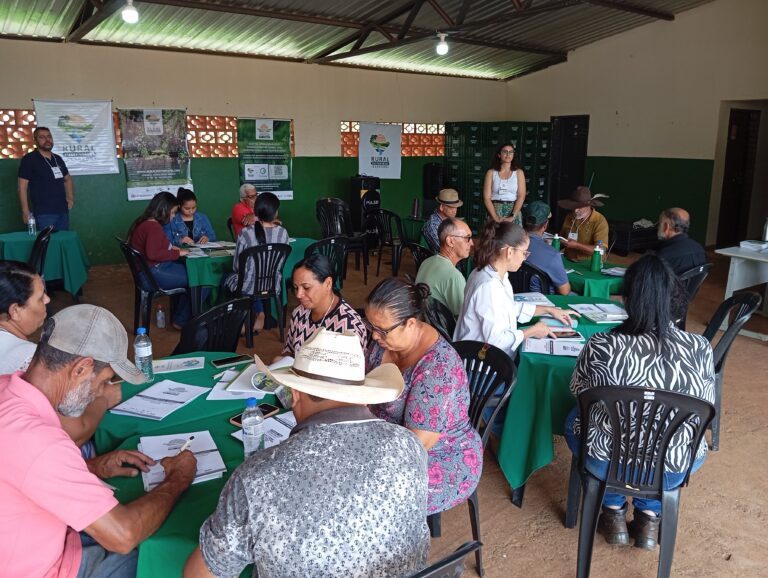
point(645, 530)
point(613, 525)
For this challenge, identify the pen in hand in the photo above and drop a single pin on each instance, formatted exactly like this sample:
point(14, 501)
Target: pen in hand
point(186, 445)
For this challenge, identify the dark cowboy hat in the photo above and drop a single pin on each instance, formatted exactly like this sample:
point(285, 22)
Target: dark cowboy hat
point(581, 197)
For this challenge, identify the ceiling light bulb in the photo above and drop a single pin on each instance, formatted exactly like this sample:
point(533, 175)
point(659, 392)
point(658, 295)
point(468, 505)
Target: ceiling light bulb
point(442, 46)
point(130, 14)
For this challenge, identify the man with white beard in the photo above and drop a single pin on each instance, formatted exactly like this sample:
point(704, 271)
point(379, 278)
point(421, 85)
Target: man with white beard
point(57, 519)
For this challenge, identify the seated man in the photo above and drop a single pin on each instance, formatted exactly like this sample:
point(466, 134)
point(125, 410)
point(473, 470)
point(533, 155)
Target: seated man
point(344, 495)
point(445, 281)
point(675, 246)
point(242, 211)
point(48, 493)
point(536, 217)
point(449, 203)
point(584, 226)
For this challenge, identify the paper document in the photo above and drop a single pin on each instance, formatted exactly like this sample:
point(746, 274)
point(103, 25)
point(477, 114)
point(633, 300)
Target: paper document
point(178, 364)
point(553, 347)
point(535, 298)
point(208, 245)
point(220, 392)
point(600, 312)
point(159, 400)
point(210, 464)
point(251, 380)
point(615, 271)
point(276, 429)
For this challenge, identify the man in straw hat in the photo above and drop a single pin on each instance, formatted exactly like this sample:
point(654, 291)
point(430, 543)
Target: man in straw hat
point(448, 204)
point(344, 495)
point(48, 493)
point(584, 226)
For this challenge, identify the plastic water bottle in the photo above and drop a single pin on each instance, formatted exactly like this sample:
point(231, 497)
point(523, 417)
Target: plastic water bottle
point(556, 242)
point(253, 428)
point(160, 317)
point(32, 226)
point(596, 264)
point(142, 354)
point(601, 249)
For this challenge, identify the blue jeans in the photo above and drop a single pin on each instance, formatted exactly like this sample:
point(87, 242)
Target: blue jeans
point(97, 562)
point(172, 275)
point(60, 221)
point(599, 469)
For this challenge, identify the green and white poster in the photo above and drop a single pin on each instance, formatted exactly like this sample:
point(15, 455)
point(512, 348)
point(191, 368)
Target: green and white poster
point(265, 155)
point(155, 151)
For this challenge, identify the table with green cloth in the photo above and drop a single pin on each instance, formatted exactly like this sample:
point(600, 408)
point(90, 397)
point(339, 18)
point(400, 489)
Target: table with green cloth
point(164, 553)
point(65, 260)
point(540, 403)
point(587, 283)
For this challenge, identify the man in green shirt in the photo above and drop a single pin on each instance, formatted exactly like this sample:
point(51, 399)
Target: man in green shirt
point(439, 271)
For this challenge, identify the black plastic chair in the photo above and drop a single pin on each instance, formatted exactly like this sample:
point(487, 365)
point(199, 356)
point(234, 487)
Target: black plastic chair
point(231, 229)
point(522, 278)
point(389, 227)
point(268, 261)
point(335, 249)
point(335, 219)
point(40, 250)
point(218, 329)
point(145, 287)
point(737, 309)
point(420, 254)
point(488, 368)
point(452, 566)
point(638, 454)
point(330, 214)
point(691, 281)
point(440, 317)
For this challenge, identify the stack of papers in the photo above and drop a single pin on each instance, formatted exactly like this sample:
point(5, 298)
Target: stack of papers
point(208, 245)
point(600, 312)
point(222, 392)
point(210, 465)
point(160, 400)
point(553, 347)
point(178, 364)
point(276, 429)
point(535, 298)
point(615, 271)
point(252, 381)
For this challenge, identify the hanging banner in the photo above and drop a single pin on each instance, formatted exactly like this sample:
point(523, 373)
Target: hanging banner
point(264, 147)
point(155, 151)
point(379, 150)
point(83, 134)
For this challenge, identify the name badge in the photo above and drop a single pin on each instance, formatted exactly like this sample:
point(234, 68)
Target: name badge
point(57, 173)
point(572, 236)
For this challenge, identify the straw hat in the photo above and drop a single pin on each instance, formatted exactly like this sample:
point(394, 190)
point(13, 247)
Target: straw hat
point(449, 197)
point(581, 197)
point(332, 366)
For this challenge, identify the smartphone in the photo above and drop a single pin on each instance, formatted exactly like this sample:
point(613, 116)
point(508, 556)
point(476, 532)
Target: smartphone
point(230, 361)
point(266, 408)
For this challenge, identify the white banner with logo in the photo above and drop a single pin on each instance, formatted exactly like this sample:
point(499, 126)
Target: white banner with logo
point(379, 150)
point(83, 134)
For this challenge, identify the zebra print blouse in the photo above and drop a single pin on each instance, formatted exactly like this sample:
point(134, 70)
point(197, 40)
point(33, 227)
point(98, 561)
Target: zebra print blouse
point(634, 361)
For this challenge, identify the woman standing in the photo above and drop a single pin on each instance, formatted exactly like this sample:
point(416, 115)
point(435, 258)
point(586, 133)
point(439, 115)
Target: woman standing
point(504, 187)
point(189, 226)
point(435, 401)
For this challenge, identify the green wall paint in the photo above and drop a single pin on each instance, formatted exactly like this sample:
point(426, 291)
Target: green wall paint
point(643, 187)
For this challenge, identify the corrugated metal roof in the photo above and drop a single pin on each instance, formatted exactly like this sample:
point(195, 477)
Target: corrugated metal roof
point(303, 29)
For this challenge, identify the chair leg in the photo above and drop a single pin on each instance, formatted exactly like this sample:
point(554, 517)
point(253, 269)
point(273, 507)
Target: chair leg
point(145, 313)
point(594, 490)
point(433, 522)
point(138, 303)
point(280, 318)
point(378, 264)
point(249, 326)
point(715, 423)
point(474, 520)
point(574, 495)
point(397, 252)
point(365, 265)
point(670, 502)
point(517, 496)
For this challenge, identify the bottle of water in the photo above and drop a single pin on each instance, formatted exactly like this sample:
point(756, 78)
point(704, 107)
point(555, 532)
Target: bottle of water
point(253, 428)
point(142, 354)
point(601, 249)
point(160, 317)
point(32, 226)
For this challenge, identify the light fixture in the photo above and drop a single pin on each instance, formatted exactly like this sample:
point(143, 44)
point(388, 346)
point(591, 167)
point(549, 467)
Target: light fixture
point(442, 46)
point(130, 14)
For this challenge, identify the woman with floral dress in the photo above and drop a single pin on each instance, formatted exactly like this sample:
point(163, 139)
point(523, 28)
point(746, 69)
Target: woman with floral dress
point(435, 401)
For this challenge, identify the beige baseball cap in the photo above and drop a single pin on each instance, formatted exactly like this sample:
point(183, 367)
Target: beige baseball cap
point(91, 331)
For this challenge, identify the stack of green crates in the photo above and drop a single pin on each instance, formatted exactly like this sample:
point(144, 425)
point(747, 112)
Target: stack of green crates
point(469, 148)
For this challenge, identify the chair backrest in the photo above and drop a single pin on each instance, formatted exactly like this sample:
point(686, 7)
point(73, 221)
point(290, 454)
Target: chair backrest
point(231, 228)
point(420, 254)
point(138, 265)
point(643, 422)
point(737, 309)
point(452, 566)
point(385, 222)
point(268, 261)
point(440, 317)
point(693, 278)
point(330, 214)
point(530, 278)
point(333, 248)
point(40, 250)
point(487, 367)
point(218, 329)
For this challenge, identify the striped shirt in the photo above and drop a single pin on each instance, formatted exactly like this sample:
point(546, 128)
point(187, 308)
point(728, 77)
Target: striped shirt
point(340, 319)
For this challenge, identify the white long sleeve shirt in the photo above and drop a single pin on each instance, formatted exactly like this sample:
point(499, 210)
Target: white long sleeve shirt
point(490, 313)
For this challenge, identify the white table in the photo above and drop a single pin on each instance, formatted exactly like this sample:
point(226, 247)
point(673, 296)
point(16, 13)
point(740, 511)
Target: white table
point(748, 268)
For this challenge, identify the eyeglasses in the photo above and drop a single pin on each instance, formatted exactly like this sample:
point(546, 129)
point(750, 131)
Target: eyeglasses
point(467, 238)
point(508, 152)
point(383, 332)
point(251, 197)
point(526, 254)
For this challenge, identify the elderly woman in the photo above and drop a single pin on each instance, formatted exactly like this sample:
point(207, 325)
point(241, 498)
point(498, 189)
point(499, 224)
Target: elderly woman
point(189, 226)
point(242, 212)
point(319, 305)
point(646, 350)
point(435, 400)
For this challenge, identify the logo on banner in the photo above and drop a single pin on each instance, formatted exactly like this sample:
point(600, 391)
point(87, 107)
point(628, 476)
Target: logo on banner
point(264, 130)
point(153, 122)
point(255, 172)
point(379, 142)
point(75, 127)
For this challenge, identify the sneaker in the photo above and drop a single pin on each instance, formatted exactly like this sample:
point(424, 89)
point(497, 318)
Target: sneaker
point(612, 524)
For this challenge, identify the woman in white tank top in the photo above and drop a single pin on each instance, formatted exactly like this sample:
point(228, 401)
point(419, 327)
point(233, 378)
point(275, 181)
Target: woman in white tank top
point(504, 187)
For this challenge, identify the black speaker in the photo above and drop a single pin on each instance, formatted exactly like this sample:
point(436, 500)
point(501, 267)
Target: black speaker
point(568, 160)
point(433, 179)
point(364, 195)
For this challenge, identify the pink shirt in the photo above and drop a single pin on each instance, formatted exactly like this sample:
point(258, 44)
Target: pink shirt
point(47, 494)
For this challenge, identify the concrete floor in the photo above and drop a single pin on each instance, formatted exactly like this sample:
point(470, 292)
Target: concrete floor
point(723, 511)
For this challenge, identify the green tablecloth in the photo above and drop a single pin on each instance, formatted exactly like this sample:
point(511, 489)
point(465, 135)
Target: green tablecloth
point(540, 403)
point(66, 258)
point(164, 553)
point(591, 284)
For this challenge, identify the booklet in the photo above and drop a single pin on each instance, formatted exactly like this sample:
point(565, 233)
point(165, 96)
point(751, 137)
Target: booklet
point(600, 312)
point(221, 391)
point(535, 298)
point(258, 384)
point(276, 429)
point(615, 271)
point(159, 400)
point(178, 364)
point(553, 347)
point(210, 464)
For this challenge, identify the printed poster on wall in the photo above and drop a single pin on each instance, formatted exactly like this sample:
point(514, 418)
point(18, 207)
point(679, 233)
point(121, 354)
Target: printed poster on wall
point(83, 134)
point(155, 151)
point(264, 147)
point(379, 150)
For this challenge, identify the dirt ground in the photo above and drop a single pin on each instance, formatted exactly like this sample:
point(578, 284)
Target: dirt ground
point(723, 512)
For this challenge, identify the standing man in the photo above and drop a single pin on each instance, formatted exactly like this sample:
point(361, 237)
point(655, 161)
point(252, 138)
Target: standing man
point(446, 283)
point(536, 217)
point(675, 246)
point(584, 226)
point(448, 204)
point(44, 177)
